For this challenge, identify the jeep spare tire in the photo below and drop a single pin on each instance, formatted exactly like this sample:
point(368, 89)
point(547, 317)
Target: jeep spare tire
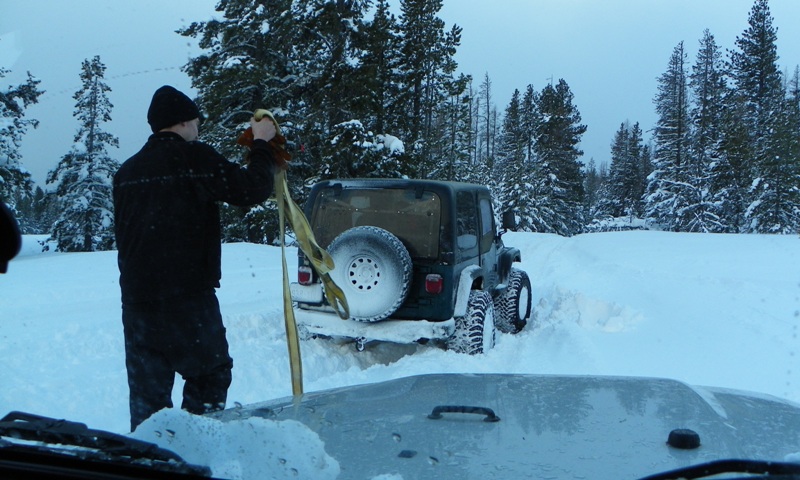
point(373, 269)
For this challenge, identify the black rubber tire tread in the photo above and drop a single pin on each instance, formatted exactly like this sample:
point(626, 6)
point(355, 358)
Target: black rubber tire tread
point(507, 305)
point(373, 269)
point(474, 332)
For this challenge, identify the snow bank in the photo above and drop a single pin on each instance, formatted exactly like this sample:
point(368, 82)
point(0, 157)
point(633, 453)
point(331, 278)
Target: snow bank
point(705, 309)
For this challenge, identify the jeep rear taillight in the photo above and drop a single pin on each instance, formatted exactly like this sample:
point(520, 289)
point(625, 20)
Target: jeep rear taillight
point(434, 283)
point(304, 275)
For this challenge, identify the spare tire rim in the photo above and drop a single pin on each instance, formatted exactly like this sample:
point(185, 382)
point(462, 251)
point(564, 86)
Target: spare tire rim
point(373, 269)
point(363, 273)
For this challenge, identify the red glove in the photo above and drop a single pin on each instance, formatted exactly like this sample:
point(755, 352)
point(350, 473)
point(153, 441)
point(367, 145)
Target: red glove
point(246, 138)
point(276, 146)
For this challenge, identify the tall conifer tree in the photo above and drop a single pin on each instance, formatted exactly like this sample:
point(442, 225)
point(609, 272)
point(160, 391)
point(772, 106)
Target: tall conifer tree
point(454, 121)
point(379, 44)
point(666, 189)
point(702, 212)
point(623, 190)
point(83, 178)
point(754, 70)
point(512, 166)
point(558, 177)
point(15, 181)
point(426, 78)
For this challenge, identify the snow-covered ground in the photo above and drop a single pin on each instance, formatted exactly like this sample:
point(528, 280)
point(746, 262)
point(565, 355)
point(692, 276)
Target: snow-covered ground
point(720, 310)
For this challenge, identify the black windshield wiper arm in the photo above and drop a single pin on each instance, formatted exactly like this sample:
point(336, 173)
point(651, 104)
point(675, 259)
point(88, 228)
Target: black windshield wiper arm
point(703, 470)
point(100, 445)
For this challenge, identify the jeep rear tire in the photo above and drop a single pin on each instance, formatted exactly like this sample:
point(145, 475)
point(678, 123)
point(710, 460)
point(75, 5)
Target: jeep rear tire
point(373, 269)
point(513, 306)
point(474, 332)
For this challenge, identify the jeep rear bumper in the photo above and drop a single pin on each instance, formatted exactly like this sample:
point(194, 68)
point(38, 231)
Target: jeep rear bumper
point(316, 318)
point(392, 330)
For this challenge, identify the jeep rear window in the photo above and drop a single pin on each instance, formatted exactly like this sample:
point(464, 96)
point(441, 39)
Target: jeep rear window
point(413, 219)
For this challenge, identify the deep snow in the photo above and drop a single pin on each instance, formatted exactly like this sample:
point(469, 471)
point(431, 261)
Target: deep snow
point(706, 309)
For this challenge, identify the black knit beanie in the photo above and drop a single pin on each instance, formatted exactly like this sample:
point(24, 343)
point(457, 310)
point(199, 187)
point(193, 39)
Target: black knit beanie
point(170, 107)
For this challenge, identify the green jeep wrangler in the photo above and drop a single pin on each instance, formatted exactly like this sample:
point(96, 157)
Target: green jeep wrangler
point(417, 260)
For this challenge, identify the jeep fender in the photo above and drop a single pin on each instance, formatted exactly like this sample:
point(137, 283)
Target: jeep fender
point(465, 282)
point(505, 258)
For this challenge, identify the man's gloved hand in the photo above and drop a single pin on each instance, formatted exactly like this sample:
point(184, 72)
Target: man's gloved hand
point(246, 138)
point(275, 141)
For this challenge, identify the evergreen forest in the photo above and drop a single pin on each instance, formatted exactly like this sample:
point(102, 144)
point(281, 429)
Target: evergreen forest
point(364, 92)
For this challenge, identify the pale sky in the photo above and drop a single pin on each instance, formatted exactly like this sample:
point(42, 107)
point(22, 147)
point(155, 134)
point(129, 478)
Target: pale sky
point(610, 52)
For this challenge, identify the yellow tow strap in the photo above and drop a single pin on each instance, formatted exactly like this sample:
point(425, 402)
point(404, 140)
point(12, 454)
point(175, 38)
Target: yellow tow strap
point(320, 260)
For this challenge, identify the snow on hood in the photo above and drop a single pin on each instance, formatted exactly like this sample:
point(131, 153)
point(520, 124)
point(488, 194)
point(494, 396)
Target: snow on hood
point(243, 449)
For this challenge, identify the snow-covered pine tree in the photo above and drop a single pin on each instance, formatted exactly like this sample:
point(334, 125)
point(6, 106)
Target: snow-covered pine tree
point(594, 182)
point(513, 137)
point(791, 137)
point(700, 211)
point(485, 116)
point(728, 175)
point(641, 156)
point(666, 191)
point(755, 74)
point(453, 118)
point(531, 118)
point(512, 166)
point(357, 152)
point(475, 123)
point(38, 210)
point(249, 62)
point(707, 86)
point(778, 205)
point(622, 175)
point(330, 54)
point(558, 177)
point(83, 178)
point(15, 181)
point(426, 80)
point(621, 195)
point(377, 88)
point(338, 103)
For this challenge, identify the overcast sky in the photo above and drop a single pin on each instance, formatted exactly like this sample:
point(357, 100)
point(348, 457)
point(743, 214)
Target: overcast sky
point(610, 52)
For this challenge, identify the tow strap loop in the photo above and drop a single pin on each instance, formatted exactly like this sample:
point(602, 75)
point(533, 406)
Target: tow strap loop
point(320, 260)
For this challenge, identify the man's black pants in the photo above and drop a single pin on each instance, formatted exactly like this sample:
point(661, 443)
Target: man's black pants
point(180, 335)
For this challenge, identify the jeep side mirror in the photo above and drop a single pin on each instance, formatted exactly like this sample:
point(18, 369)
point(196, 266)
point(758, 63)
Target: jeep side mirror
point(509, 220)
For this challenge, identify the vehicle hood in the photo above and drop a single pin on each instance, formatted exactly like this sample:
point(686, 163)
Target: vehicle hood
point(549, 426)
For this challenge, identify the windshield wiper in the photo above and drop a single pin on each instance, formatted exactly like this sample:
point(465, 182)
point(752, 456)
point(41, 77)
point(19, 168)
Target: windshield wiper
point(752, 467)
point(69, 445)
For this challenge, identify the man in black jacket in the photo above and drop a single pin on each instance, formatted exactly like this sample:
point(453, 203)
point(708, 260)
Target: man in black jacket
point(168, 236)
point(10, 238)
